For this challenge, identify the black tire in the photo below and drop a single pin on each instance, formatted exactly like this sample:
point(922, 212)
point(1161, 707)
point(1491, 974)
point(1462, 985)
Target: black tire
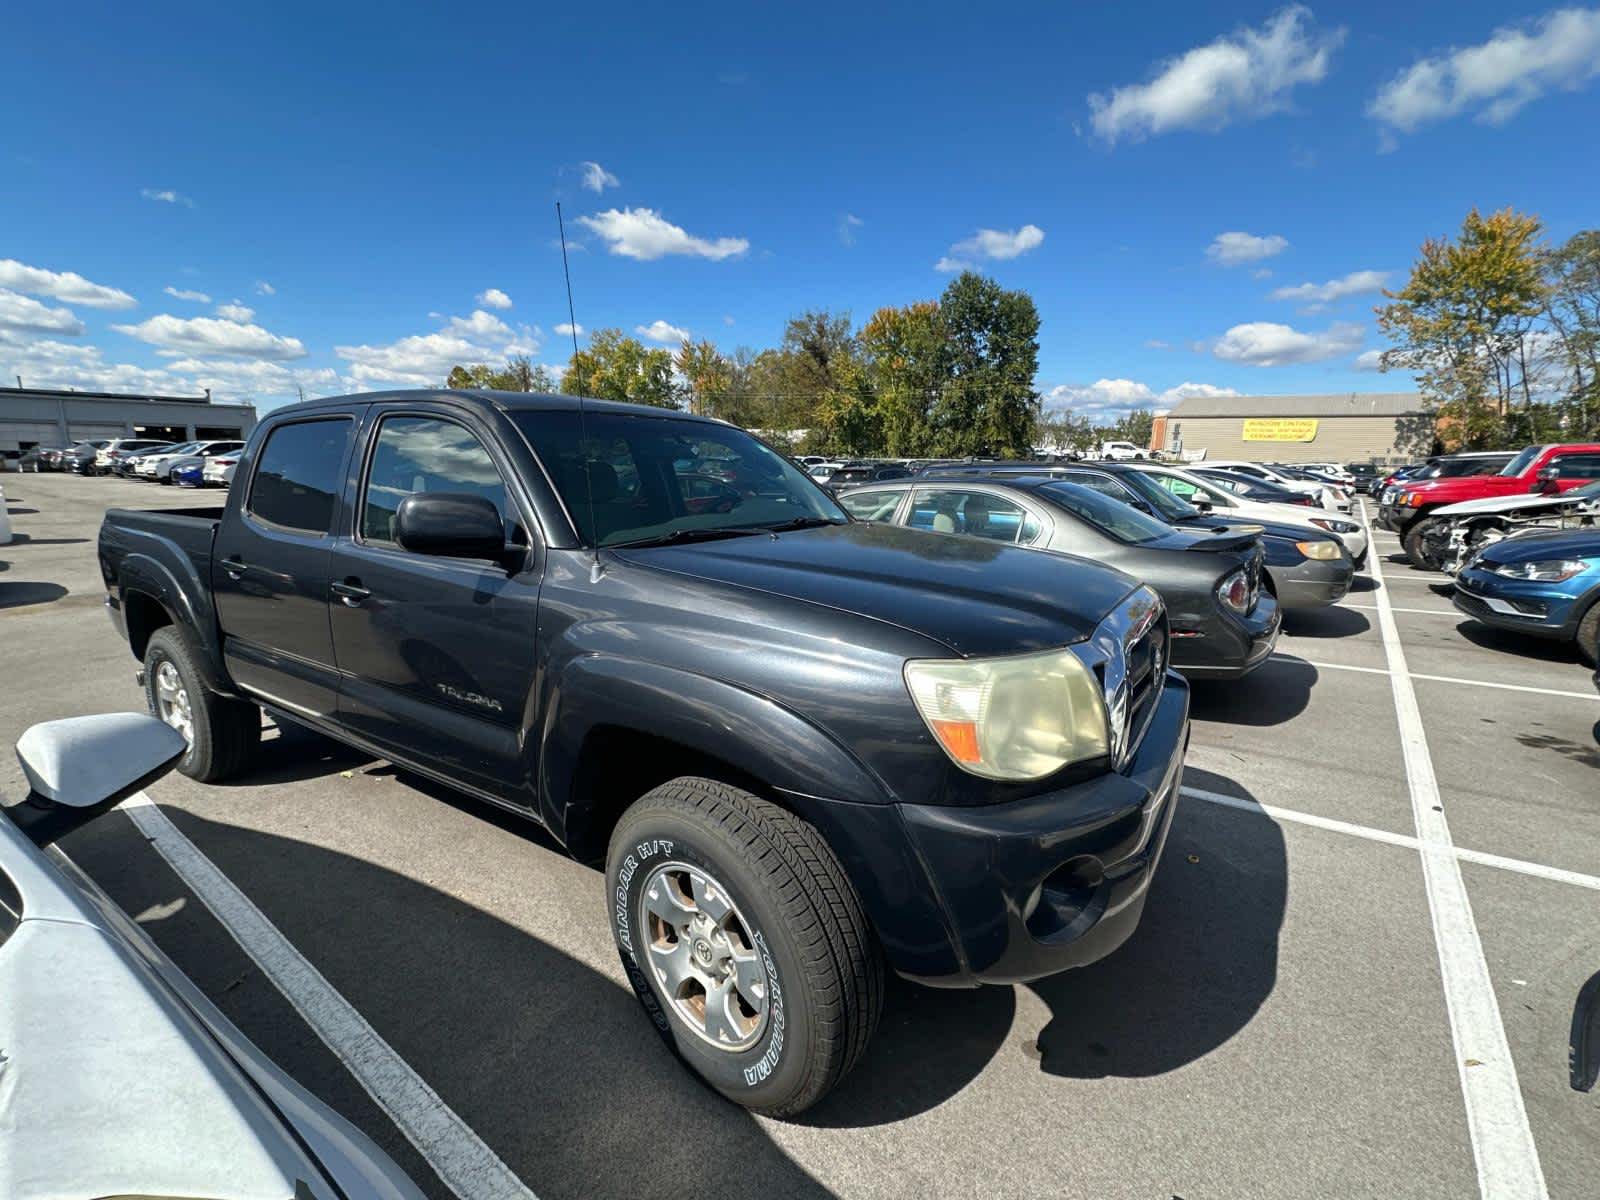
point(823, 966)
point(1589, 635)
point(1412, 541)
point(224, 733)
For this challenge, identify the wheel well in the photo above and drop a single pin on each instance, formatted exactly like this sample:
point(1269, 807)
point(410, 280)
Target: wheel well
point(143, 614)
point(618, 765)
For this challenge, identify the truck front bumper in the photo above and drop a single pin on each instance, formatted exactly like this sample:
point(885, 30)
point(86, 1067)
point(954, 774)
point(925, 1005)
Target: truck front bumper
point(1035, 886)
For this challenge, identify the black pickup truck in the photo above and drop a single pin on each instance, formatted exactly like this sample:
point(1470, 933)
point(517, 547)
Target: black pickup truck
point(801, 746)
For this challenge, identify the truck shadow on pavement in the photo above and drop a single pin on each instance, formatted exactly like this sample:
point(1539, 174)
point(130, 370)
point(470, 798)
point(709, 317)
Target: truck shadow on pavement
point(1277, 691)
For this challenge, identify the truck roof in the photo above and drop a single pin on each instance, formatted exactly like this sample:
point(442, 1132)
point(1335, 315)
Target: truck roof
point(505, 401)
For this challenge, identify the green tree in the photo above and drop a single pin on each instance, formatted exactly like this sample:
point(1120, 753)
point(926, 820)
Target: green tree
point(907, 363)
point(988, 403)
point(518, 375)
point(820, 385)
point(708, 376)
point(615, 367)
point(1136, 427)
point(1462, 323)
point(1572, 316)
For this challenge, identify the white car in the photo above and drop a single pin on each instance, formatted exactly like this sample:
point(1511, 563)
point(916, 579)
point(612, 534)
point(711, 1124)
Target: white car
point(161, 466)
point(1121, 451)
point(146, 465)
point(1203, 493)
point(118, 1076)
point(1325, 494)
point(218, 471)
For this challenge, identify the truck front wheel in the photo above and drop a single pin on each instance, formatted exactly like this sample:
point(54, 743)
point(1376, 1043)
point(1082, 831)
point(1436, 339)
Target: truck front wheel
point(1419, 545)
point(222, 734)
point(744, 941)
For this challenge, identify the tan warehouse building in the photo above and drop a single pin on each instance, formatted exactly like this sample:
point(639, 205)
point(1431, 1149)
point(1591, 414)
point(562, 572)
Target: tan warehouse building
point(1383, 427)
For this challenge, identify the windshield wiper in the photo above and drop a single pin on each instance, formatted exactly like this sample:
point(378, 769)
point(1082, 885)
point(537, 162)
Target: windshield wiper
point(675, 536)
point(799, 523)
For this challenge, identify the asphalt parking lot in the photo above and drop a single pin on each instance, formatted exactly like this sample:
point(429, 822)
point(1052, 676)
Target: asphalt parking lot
point(1355, 975)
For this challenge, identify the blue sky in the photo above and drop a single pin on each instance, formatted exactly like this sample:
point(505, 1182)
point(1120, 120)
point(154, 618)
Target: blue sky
point(323, 196)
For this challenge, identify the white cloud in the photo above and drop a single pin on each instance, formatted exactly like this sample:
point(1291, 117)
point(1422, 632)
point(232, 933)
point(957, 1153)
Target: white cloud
point(494, 298)
point(1369, 360)
point(1353, 284)
point(596, 178)
point(166, 196)
point(185, 294)
point(727, 320)
point(1261, 273)
point(991, 244)
point(1517, 65)
point(659, 331)
point(1231, 249)
point(848, 224)
point(423, 360)
point(237, 311)
point(1107, 400)
point(566, 330)
point(67, 286)
point(643, 233)
point(263, 288)
point(1269, 344)
point(208, 335)
point(23, 312)
point(1241, 77)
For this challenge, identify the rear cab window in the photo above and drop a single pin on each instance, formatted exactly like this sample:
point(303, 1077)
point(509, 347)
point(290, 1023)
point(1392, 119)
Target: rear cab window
point(298, 474)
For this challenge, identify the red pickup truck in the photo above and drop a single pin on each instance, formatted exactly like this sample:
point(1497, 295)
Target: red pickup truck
point(1537, 469)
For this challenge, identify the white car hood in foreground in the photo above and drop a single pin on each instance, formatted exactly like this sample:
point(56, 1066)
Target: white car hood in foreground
point(1499, 504)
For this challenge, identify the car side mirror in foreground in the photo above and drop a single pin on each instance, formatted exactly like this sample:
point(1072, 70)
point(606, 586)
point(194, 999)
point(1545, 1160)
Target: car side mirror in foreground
point(450, 525)
point(81, 767)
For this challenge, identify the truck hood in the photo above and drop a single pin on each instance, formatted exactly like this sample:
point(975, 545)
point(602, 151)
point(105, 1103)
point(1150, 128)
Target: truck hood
point(1536, 545)
point(977, 597)
point(1500, 504)
point(1467, 487)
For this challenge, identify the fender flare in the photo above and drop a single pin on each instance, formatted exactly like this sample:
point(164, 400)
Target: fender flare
point(148, 576)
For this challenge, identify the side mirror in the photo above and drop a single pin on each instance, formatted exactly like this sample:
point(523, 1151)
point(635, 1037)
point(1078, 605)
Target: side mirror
point(450, 525)
point(1201, 503)
point(1545, 480)
point(81, 767)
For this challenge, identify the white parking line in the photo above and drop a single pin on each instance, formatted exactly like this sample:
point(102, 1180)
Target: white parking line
point(1405, 840)
point(1502, 1142)
point(462, 1160)
point(1508, 687)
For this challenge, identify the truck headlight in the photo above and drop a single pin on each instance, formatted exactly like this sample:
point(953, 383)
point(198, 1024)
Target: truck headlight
point(1322, 550)
point(1333, 526)
point(1548, 570)
point(1022, 717)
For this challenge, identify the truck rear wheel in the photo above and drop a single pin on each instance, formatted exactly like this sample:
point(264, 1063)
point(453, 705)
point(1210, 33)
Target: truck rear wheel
point(744, 941)
point(1589, 635)
point(223, 734)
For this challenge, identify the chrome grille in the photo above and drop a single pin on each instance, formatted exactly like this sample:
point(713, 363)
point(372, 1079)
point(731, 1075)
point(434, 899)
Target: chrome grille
point(1128, 653)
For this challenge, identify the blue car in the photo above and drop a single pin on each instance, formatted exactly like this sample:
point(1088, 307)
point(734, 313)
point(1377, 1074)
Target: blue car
point(1546, 584)
point(188, 475)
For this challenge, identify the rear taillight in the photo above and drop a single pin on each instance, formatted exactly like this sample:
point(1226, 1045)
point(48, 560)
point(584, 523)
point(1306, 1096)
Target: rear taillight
point(1234, 591)
point(224, 462)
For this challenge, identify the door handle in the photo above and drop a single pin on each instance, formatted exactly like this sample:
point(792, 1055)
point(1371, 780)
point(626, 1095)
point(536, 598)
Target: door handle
point(235, 567)
point(351, 592)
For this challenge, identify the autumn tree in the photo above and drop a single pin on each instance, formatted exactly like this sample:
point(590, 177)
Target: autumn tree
point(908, 364)
point(519, 374)
point(615, 367)
point(707, 376)
point(1572, 316)
point(1462, 323)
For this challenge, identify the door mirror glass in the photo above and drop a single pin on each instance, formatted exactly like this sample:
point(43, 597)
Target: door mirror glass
point(1545, 481)
point(450, 525)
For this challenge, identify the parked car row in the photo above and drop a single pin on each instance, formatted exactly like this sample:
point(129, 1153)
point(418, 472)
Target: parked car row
point(200, 463)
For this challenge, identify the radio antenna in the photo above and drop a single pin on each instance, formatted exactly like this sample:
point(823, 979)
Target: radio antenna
point(583, 423)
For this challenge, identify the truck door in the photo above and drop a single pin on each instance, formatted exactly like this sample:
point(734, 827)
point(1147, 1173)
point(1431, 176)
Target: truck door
point(269, 571)
point(436, 654)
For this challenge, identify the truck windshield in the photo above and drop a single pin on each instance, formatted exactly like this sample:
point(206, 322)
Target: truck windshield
point(1520, 463)
point(661, 479)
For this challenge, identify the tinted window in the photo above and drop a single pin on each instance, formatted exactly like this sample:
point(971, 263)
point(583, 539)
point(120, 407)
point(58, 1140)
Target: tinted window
point(1523, 461)
point(1181, 488)
point(1109, 517)
point(1578, 466)
point(424, 454)
point(626, 470)
point(976, 514)
point(871, 505)
point(297, 475)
